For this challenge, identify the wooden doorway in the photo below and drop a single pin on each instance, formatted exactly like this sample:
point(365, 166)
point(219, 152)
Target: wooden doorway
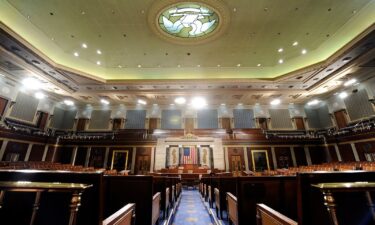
point(153, 124)
point(81, 124)
point(225, 123)
point(236, 165)
point(340, 117)
point(142, 165)
point(263, 123)
point(300, 125)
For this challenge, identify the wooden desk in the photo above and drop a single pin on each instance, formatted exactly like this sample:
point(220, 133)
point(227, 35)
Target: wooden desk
point(39, 187)
point(329, 201)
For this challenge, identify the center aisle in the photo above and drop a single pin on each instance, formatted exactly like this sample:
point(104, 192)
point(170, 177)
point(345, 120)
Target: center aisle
point(191, 210)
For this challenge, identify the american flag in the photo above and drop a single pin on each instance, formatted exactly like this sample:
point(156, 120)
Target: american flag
point(190, 156)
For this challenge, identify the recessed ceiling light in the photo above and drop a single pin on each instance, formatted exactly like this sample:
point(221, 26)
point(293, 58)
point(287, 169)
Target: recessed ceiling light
point(218, 65)
point(180, 100)
point(281, 61)
point(240, 104)
point(313, 102)
point(68, 102)
point(139, 66)
point(98, 63)
point(178, 66)
point(171, 104)
point(304, 51)
point(238, 65)
point(295, 43)
point(31, 83)
point(280, 50)
point(76, 54)
point(98, 52)
point(39, 95)
point(104, 101)
point(119, 66)
point(84, 45)
point(198, 65)
point(343, 95)
point(223, 104)
point(198, 102)
point(143, 102)
point(275, 102)
point(350, 82)
point(234, 9)
point(259, 65)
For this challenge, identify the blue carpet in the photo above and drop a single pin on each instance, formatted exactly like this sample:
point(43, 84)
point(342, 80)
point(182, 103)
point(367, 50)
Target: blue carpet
point(191, 210)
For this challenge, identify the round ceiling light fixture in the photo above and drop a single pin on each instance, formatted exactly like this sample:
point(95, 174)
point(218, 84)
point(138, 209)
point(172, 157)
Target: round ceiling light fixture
point(188, 22)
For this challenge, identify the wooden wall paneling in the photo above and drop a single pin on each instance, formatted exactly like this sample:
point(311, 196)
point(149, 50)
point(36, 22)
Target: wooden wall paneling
point(300, 125)
point(3, 106)
point(50, 153)
point(235, 153)
point(317, 154)
point(346, 152)
point(81, 156)
point(15, 151)
point(225, 123)
point(283, 157)
point(189, 125)
point(153, 123)
point(97, 157)
point(250, 158)
point(341, 119)
point(299, 152)
point(366, 150)
point(63, 155)
point(81, 124)
point(36, 153)
point(143, 160)
point(332, 151)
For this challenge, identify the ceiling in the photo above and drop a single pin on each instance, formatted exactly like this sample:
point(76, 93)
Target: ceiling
point(240, 64)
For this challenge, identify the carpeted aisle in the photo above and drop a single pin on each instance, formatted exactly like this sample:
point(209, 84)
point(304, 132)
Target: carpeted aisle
point(191, 210)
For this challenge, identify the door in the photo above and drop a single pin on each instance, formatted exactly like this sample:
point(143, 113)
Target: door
point(189, 125)
point(300, 125)
point(42, 120)
point(236, 164)
point(81, 124)
point(341, 120)
point(3, 105)
point(153, 124)
point(117, 123)
point(143, 164)
point(225, 123)
point(263, 123)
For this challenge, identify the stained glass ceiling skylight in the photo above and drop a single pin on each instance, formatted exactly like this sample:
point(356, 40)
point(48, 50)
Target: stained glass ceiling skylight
point(188, 20)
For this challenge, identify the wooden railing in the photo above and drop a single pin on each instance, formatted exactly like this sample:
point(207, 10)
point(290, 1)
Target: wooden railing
point(232, 208)
point(156, 208)
point(124, 216)
point(268, 216)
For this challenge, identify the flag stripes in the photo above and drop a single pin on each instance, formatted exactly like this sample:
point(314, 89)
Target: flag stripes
point(190, 155)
